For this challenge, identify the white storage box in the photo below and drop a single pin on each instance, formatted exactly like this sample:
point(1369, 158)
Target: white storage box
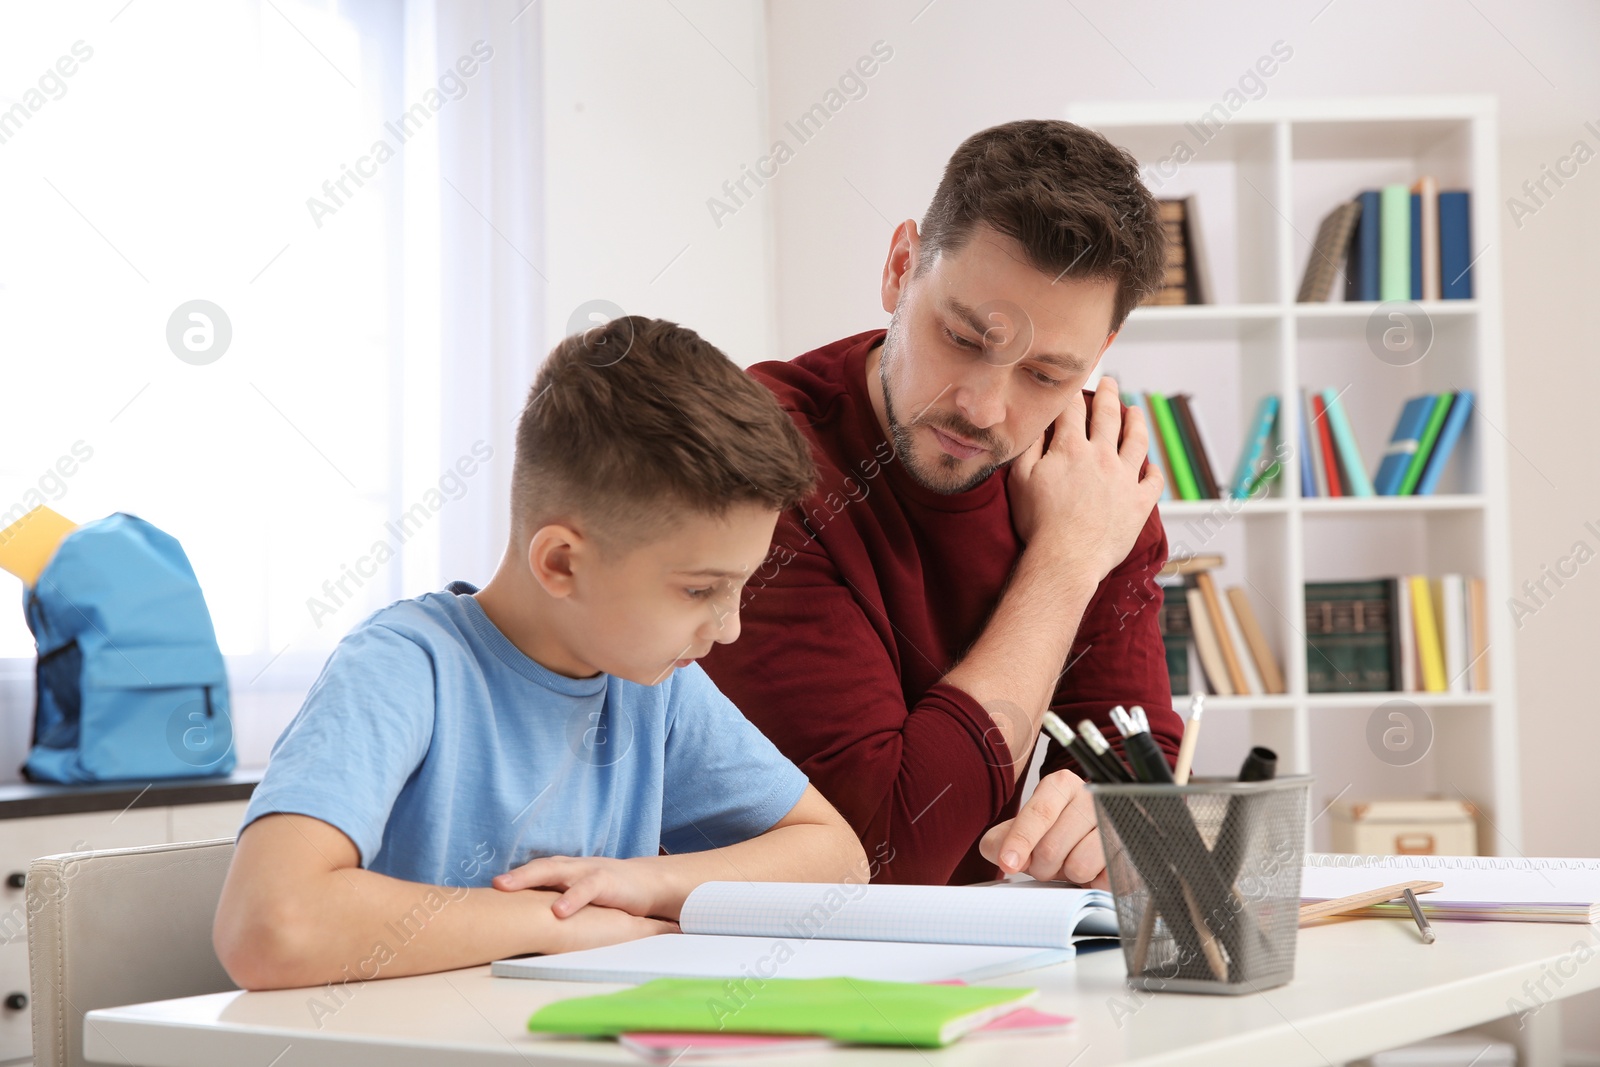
point(1437, 827)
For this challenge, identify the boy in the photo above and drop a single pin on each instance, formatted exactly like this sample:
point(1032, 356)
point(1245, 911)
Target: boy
point(540, 765)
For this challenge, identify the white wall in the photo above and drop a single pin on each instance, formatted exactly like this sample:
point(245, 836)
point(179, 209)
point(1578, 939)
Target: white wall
point(959, 66)
point(649, 108)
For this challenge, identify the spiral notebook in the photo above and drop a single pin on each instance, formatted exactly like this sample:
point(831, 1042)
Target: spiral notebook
point(1499, 888)
point(906, 933)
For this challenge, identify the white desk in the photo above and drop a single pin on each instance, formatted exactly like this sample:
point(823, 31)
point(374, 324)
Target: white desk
point(1360, 986)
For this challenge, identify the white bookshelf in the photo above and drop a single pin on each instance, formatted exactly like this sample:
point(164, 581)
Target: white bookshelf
point(1264, 181)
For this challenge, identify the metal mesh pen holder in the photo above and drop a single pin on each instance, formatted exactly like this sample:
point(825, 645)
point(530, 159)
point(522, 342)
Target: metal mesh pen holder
point(1206, 878)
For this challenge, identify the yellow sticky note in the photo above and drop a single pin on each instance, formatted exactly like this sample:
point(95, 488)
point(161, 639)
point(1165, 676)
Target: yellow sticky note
point(27, 544)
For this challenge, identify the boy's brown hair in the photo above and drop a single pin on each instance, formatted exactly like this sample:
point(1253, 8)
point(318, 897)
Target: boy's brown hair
point(1069, 197)
point(629, 422)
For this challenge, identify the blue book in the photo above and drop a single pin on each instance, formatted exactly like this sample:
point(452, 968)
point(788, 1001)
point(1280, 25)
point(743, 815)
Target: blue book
point(1402, 444)
point(1448, 434)
point(1308, 474)
point(1416, 246)
point(1455, 245)
point(1361, 275)
point(1255, 447)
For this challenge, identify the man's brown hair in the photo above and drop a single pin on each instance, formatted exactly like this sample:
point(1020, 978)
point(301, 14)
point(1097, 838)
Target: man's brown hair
point(1069, 197)
point(639, 419)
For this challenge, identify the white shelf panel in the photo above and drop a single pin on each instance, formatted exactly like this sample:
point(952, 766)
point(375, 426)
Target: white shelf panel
point(1195, 509)
point(1361, 309)
point(1355, 505)
point(1316, 701)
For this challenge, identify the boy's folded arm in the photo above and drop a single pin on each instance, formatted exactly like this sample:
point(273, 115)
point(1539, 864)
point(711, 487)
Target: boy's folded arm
point(812, 843)
point(297, 909)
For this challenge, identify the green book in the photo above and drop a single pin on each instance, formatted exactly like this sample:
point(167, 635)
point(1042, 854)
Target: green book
point(1182, 474)
point(1348, 637)
point(1430, 434)
point(1394, 243)
point(844, 1009)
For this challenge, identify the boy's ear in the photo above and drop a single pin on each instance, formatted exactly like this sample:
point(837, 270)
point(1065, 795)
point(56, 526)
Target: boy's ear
point(551, 554)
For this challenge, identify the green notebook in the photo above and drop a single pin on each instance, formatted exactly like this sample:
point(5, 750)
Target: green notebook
point(844, 1009)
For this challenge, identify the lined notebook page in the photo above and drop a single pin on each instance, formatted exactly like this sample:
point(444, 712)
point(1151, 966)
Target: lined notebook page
point(1488, 887)
point(935, 914)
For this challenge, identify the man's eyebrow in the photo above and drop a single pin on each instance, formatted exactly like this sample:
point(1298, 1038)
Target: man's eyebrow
point(1066, 362)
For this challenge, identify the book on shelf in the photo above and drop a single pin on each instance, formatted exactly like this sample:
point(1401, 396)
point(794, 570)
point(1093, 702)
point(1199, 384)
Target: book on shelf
point(1178, 469)
point(1188, 278)
point(1394, 242)
point(1328, 252)
point(1455, 245)
point(1347, 637)
point(1176, 637)
point(1398, 242)
point(1402, 634)
point(1194, 444)
point(1361, 271)
point(1322, 438)
point(1178, 445)
point(1154, 449)
point(1221, 631)
point(1425, 435)
point(1352, 471)
point(1255, 466)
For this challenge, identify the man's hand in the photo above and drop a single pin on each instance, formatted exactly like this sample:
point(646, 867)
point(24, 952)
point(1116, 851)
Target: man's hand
point(1083, 502)
point(1053, 837)
point(629, 885)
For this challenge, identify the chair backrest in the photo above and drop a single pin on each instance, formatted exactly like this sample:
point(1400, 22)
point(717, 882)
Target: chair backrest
point(119, 926)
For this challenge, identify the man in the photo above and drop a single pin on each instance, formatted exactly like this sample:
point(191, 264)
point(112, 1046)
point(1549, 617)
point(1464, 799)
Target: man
point(983, 543)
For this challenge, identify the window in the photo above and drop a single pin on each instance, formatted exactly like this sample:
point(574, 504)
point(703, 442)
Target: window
point(159, 155)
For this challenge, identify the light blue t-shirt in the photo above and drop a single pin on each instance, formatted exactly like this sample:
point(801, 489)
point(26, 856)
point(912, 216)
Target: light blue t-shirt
point(448, 756)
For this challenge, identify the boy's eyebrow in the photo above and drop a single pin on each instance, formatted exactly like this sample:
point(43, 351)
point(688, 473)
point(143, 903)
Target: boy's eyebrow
point(709, 572)
point(1066, 362)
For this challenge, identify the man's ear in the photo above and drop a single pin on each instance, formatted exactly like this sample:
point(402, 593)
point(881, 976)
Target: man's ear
point(905, 246)
point(552, 557)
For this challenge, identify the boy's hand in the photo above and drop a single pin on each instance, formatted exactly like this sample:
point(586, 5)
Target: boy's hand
point(629, 885)
point(594, 926)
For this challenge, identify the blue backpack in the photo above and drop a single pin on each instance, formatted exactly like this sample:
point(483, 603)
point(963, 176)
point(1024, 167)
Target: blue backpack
point(130, 681)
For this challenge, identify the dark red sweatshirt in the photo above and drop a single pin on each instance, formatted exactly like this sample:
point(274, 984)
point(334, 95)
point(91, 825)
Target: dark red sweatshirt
point(874, 589)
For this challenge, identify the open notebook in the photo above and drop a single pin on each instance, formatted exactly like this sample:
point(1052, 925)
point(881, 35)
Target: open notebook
point(903, 933)
point(1506, 888)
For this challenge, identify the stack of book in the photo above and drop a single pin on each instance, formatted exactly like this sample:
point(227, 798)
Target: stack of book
point(1424, 436)
point(1395, 243)
point(1408, 634)
point(1218, 634)
point(1187, 280)
point(1177, 446)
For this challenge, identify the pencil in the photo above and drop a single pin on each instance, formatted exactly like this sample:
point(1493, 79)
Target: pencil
point(1191, 737)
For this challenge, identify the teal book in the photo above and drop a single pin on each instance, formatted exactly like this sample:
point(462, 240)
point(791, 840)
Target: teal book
point(1344, 439)
point(1394, 243)
point(855, 1010)
point(1251, 465)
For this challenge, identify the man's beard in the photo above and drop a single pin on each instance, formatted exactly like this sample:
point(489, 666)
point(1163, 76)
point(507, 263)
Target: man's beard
point(944, 475)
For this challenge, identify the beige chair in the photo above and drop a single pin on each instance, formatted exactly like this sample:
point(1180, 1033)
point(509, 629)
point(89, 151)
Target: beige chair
point(119, 926)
